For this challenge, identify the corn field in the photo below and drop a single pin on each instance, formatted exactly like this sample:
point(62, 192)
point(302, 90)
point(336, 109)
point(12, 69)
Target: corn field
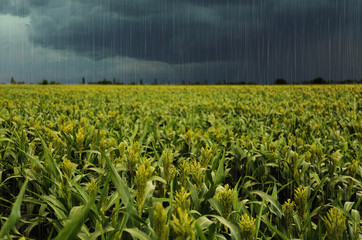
point(180, 162)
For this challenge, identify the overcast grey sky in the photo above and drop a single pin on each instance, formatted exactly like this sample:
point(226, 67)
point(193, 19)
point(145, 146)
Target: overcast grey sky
point(172, 40)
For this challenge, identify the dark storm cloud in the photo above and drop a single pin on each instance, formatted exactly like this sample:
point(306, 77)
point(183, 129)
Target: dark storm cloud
point(178, 32)
point(185, 31)
point(275, 37)
point(14, 7)
point(20, 8)
point(156, 30)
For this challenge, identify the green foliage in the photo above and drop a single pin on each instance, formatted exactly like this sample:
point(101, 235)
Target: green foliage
point(300, 198)
point(168, 162)
point(169, 170)
point(182, 225)
point(335, 224)
point(160, 223)
point(182, 200)
point(132, 154)
point(288, 211)
point(143, 172)
point(247, 227)
point(226, 200)
point(15, 214)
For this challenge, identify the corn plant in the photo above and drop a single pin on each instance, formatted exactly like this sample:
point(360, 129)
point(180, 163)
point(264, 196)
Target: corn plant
point(172, 162)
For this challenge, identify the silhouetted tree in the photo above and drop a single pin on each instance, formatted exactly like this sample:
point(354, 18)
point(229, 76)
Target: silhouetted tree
point(155, 81)
point(318, 80)
point(83, 80)
point(242, 83)
point(141, 81)
point(105, 81)
point(280, 81)
point(44, 82)
point(12, 80)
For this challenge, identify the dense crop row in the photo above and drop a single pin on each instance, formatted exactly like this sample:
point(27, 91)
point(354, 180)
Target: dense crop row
point(160, 162)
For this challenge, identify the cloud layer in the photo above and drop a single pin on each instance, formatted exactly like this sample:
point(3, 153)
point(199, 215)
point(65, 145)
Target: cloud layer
point(251, 39)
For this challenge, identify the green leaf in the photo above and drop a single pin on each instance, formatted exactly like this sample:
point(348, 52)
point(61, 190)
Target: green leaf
point(348, 206)
point(211, 231)
point(75, 222)
point(273, 228)
point(56, 205)
point(220, 172)
point(137, 234)
point(320, 185)
point(199, 231)
point(234, 230)
point(135, 130)
point(257, 227)
point(118, 182)
point(356, 218)
point(271, 200)
point(194, 196)
point(49, 161)
point(98, 232)
point(203, 222)
point(157, 178)
point(15, 212)
point(85, 196)
point(216, 205)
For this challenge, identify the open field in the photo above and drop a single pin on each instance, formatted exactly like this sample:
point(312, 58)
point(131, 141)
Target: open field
point(180, 162)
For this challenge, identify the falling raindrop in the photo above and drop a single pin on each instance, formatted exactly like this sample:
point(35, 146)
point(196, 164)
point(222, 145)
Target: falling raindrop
point(189, 41)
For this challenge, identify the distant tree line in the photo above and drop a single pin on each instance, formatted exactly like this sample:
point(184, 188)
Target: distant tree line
point(12, 81)
point(105, 82)
point(44, 82)
point(116, 82)
point(319, 80)
point(278, 81)
point(155, 82)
